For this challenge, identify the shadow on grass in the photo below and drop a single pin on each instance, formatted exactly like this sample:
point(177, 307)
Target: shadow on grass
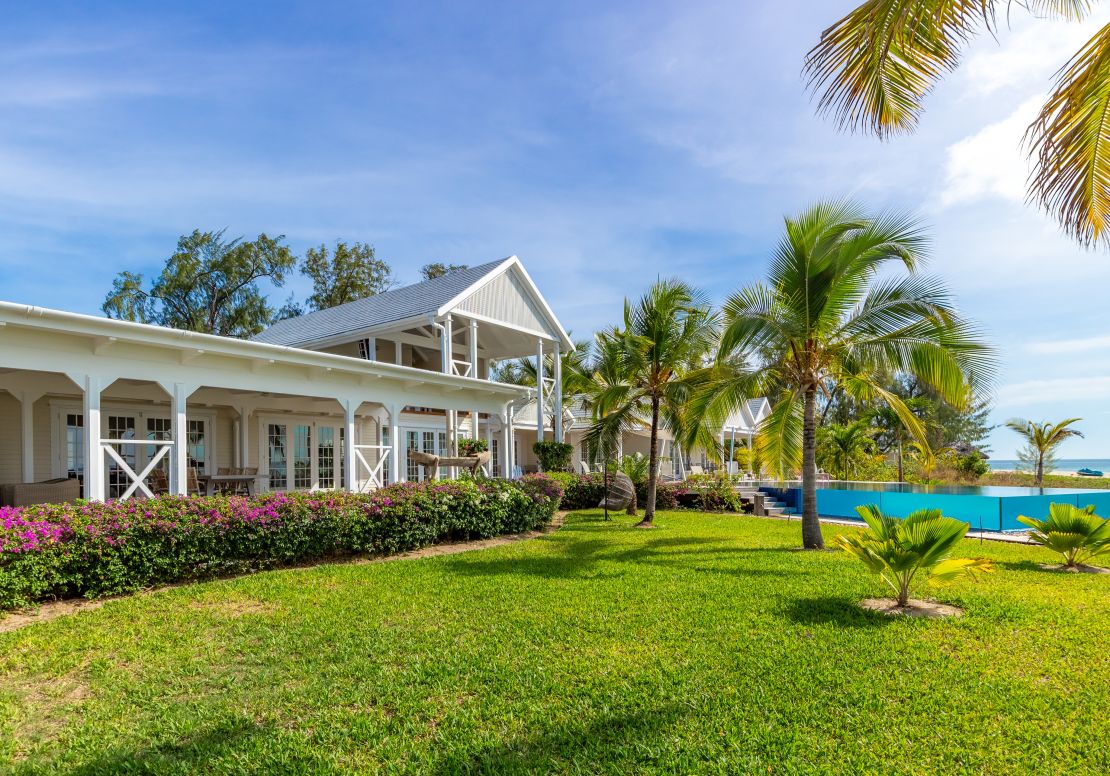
point(613, 742)
point(195, 753)
point(828, 610)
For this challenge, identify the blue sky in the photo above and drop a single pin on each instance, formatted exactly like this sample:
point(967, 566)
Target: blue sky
point(605, 144)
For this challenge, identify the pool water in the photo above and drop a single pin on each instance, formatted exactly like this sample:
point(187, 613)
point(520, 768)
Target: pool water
point(986, 508)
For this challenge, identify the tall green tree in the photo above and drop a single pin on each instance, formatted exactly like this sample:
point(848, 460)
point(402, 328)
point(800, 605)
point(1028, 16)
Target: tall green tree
point(844, 448)
point(873, 68)
point(826, 317)
point(344, 273)
point(650, 369)
point(1042, 441)
point(210, 285)
point(438, 269)
point(891, 434)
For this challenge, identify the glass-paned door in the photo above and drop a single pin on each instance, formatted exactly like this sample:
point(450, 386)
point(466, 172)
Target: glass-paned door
point(412, 469)
point(75, 448)
point(196, 445)
point(305, 456)
point(121, 427)
point(329, 456)
point(495, 458)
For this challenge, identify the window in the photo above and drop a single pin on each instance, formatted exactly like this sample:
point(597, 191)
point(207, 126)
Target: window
point(195, 445)
point(158, 429)
point(495, 459)
point(302, 457)
point(412, 469)
point(325, 457)
point(277, 443)
point(121, 427)
point(75, 447)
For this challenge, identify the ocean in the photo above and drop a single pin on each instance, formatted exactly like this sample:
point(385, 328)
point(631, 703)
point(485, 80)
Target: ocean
point(1064, 465)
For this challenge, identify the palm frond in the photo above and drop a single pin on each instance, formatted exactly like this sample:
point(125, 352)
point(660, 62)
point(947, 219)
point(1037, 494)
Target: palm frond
point(780, 437)
point(1070, 141)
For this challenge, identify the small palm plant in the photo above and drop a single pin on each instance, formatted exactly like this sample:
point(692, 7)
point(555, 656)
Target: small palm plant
point(897, 550)
point(1077, 534)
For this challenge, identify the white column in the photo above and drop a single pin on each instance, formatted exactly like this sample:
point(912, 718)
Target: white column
point(448, 346)
point(397, 352)
point(94, 457)
point(396, 471)
point(558, 393)
point(507, 442)
point(244, 436)
point(489, 442)
point(350, 468)
point(179, 459)
point(539, 390)
point(473, 342)
point(27, 401)
point(371, 349)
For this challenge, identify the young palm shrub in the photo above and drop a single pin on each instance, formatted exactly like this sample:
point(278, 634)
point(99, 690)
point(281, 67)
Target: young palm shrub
point(898, 550)
point(1041, 441)
point(1077, 534)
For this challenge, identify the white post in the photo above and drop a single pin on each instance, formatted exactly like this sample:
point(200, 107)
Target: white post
point(539, 390)
point(557, 394)
point(448, 346)
point(473, 342)
point(507, 442)
point(179, 458)
point(732, 452)
point(350, 462)
point(397, 352)
point(94, 457)
point(489, 443)
point(396, 471)
point(244, 436)
point(27, 401)
point(371, 349)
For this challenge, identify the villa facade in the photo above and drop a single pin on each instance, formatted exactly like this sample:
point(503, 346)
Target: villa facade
point(331, 399)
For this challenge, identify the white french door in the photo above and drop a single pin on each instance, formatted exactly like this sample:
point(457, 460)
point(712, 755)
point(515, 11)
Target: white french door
point(304, 455)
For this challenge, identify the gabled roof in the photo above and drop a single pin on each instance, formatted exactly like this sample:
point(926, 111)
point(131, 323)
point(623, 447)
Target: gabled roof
point(433, 297)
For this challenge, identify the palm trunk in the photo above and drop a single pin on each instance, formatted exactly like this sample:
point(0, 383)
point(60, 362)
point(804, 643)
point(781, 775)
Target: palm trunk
point(1040, 470)
point(653, 465)
point(811, 526)
point(901, 471)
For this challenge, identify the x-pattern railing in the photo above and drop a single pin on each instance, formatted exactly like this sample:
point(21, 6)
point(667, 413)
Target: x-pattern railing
point(375, 475)
point(138, 481)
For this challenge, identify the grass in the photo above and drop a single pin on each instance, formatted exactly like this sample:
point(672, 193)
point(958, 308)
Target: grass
point(708, 644)
point(1027, 480)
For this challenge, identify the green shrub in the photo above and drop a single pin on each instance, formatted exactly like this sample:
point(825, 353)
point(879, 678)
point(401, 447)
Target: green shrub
point(472, 446)
point(898, 550)
point(97, 549)
point(1078, 535)
point(554, 456)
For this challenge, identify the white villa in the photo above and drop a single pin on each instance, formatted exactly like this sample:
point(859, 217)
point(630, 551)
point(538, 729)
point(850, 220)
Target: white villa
point(331, 399)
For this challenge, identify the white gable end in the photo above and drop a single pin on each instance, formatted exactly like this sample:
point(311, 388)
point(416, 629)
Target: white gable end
point(505, 298)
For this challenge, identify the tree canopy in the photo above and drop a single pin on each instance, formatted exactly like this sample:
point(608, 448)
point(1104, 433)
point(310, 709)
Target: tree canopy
point(210, 284)
point(438, 269)
point(345, 273)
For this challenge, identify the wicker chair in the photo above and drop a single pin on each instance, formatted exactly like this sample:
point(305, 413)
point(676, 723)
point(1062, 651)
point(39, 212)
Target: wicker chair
point(24, 494)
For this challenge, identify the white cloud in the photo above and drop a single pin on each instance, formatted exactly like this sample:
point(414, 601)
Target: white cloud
point(990, 163)
point(1069, 346)
point(1061, 389)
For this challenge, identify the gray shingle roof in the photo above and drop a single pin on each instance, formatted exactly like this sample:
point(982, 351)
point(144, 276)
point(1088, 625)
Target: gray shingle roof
point(396, 304)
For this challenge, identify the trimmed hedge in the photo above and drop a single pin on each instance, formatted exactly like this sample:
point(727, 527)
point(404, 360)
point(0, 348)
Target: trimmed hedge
point(97, 549)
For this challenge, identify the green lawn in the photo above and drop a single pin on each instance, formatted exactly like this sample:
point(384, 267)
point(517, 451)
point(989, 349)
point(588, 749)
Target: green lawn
point(708, 644)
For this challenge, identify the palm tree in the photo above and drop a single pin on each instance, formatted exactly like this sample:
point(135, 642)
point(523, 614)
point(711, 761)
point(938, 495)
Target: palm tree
point(1041, 441)
point(648, 370)
point(843, 447)
point(824, 318)
point(893, 431)
point(898, 550)
point(873, 68)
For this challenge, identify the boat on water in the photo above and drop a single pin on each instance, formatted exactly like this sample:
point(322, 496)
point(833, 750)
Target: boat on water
point(1085, 472)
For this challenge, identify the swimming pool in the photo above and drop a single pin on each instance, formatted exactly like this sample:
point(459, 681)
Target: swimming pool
point(986, 508)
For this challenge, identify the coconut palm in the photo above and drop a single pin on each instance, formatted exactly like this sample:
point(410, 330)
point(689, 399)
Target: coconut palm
point(843, 448)
point(1041, 441)
point(647, 371)
point(1077, 534)
point(892, 432)
point(873, 68)
point(825, 318)
point(898, 550)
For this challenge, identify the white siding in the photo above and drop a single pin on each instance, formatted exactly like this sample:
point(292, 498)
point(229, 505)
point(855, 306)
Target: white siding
point(504, 298)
